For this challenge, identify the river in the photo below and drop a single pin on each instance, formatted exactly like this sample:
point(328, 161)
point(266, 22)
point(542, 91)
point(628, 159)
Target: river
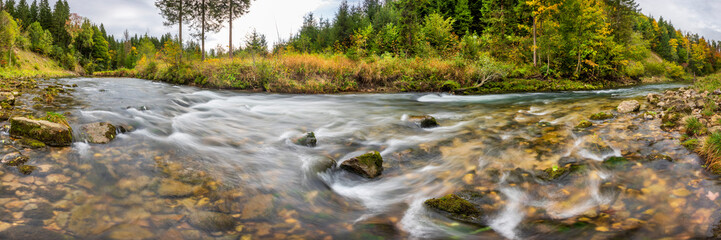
point(216, 164)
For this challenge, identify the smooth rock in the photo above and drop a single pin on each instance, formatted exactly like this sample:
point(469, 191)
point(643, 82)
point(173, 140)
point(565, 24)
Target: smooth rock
point(130, 232)
point(99, 133)
point(308, 140)
point(628, 106)
point(211, 221)
point(258, 206)
point(174, 189)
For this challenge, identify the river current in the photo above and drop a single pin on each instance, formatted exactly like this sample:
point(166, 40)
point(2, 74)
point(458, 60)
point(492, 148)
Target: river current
point(217, 164)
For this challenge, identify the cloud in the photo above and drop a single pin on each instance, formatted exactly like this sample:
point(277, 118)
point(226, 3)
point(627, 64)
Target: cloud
point(695, 16)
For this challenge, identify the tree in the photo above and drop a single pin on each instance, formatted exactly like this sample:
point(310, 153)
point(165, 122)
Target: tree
point(45, 15)
point(174, 12)
point(22, 13)
point(256, 43)
point(100, 50)
point(34, 12)
point(621, 14)
point(235, 9)
point(463, 18)
point(10, 7)
point(208, 17)
point(8, 34)
point(41, 40)
point(61, 15)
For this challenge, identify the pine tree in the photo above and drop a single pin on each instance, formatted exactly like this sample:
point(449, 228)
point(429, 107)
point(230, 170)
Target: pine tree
point(23, 13)
point(463, 18)
point(10, 8)
point(175, 12)
point(207, 17)
point(234, 10)
point(34, 12)
point(61, 14)
point(45, 15)
point(621, 14)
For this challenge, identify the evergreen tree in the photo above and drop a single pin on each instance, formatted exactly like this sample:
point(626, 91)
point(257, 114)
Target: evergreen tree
point(45, 15)
point(10, 8)
point(621, 14)
point(22, 13)
point(34, 12)
point(61, 15)
point(463, 18)
point(234, 9)
point(174, 12)
point(207, 17)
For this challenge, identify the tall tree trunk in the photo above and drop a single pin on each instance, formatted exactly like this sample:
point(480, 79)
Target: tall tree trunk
point(202, 31)
point(230, 41)
point(180, 30)
point(535, 47)
point(578, 65)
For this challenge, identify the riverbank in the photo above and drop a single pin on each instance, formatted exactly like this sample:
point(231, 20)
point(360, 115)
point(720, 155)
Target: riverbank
point(31, 65)
point(326, 74)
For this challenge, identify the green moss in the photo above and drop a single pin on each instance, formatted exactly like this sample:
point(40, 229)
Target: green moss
point(19, 160)
point(453, 204)
point(370, 159)
point(32, 143)
point(56, 118)
point(308, 140)
point(691, 144)
point(601, 116)
point(584, 124)
point(615, 162)
point(26, 169)
point(555, 172)
point(19, 128)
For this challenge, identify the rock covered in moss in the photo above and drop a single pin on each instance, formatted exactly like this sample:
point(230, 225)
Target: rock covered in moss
point(174, 189)
point(7, 99)
point(99, 133)
point(369, 165)
point(455, 207)
point(615, 162)
point(601, 116)
point(31, 143)
point(50, 133)
point(628, 106)
point(308, 140)
point(14, 159)
point(584, 124)
point(26, 169)
point(424, 121)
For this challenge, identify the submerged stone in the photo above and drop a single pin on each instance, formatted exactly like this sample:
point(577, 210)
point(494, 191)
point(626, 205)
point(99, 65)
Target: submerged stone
point(615, 162)
point(211, 221)
point(369, 165)
point(31, 143)
point(584, 124)
point(656, 156)
point(29, 232)
point(455, 207)
point(53, 134)
point(99, 133)
point(175, 189)
point(601, 116)
point(628, 106)
point(424, 121)
point(130, 231)
point(26, 169)
point(14, 159)
point(308, 140)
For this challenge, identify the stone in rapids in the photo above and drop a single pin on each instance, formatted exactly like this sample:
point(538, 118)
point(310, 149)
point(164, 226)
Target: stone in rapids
point(53, 134)
point(99, 133)
point(628, 106)
point(369, 165)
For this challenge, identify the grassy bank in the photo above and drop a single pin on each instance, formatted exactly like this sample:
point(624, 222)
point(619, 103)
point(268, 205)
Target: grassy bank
point(315, 73)
point(703, 131)
point(32, 65)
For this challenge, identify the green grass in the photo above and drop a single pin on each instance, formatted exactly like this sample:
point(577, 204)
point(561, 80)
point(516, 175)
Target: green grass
point(711, 149)
point(694, 127)
point(709, 83)
point(32, 65)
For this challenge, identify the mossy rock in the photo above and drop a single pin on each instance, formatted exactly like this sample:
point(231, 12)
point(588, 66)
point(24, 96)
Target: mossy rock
point(601, 116)
point(614, 162)
point(308, 140)
point(31, 143)
point(50, 133)
point(26, 169)
point(369, 165)
point(455, 207)
point(584, 124)
point(211, 221)
point(14, 159)
point(554, 173)
point(99, 133)
point(425, 121)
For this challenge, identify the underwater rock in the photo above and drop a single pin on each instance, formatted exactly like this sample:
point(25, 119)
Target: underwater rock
point(99, 133)
point(601, 116)
point(456, 208)
point(88, 220)
point(29, 232)
point(174, 189)
point(424, 121)
point(211, 221)
point(628, 106)
point(53, 134)
point(369, 165)
point(31, 143)
point(584, 124)
point(7, 99)
point(130, 231)
point(308, 140)
point(613, 162)
point(14, 159)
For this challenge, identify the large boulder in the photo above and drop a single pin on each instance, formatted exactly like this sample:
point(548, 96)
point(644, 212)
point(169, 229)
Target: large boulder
point(628, 106)
point(99, 133)
point(369, 165)
point(50, 133)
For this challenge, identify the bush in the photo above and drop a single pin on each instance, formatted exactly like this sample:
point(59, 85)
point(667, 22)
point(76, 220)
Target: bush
point(22, 42)
point(635, 70)
point(471, 47)
point(438, 33)
point(41, 41)
point(654, 69)
point(68, 61)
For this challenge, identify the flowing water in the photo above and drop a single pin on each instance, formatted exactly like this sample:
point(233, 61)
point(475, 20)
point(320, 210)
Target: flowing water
point(207, 164)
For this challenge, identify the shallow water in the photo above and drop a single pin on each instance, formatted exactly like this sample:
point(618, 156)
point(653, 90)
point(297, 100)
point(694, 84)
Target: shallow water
point(235, 151)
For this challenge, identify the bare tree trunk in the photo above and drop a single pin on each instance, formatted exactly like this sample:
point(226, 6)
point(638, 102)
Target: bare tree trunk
point(202, 31)
point(535, 47)
point(578, 66)
point(230, 41)
point(180, 30)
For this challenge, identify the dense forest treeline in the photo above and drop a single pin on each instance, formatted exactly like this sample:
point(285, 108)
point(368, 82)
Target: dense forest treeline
point(545, 38)
point(380, 45)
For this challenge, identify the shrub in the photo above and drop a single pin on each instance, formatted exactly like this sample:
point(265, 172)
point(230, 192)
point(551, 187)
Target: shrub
point(438, 32)
point(41, 41)
point(654, 69)
point(694, 127)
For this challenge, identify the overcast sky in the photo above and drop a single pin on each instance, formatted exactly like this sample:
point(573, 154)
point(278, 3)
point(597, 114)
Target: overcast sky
point(273, 17)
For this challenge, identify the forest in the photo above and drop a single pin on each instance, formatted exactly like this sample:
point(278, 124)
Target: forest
point(575, 44)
